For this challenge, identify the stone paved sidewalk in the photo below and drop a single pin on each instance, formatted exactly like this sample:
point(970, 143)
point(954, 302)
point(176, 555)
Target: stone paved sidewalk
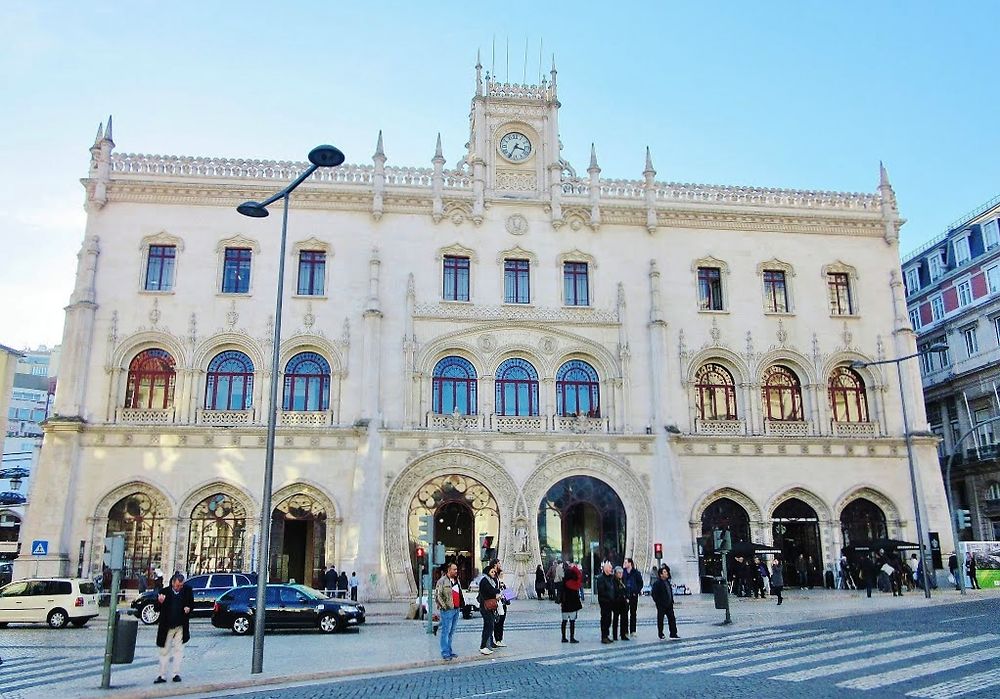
point(217, 660)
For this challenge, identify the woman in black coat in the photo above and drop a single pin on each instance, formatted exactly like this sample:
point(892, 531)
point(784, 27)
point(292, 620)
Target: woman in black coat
point(488, 602)
point(539, 582)
point(571, 603)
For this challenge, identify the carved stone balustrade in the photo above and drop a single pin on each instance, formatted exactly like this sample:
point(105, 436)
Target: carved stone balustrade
point(304, 418)
point(435, 421)
point(519, 423)
point(141, 416)
point(787, 428)
point(580, 424)
point(225, 417)
point(855, 429)
point(734, 428)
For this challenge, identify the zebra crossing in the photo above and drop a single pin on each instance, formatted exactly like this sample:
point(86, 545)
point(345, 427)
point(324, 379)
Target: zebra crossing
point(928, 665)
point(24, 673)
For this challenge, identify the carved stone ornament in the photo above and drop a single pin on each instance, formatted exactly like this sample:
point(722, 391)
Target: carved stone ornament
point(548, 344)
point(517, 224)
point(487, 343)
point(232, 316)
point(309, 318)
point(782, 334)
point(154, 313)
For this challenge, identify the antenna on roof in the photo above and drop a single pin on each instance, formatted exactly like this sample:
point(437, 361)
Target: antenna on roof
point(493, 67)
point(507, 80)
point(524, 70)
point(541, 41)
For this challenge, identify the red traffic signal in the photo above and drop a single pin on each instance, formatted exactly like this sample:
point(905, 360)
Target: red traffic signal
point(658, 551)
point(420, 552)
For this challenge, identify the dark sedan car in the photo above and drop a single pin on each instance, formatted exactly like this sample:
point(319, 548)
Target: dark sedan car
point(288, 606)
point(206, 589)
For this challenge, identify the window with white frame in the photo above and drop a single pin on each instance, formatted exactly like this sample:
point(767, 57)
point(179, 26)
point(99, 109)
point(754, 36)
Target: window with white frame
point(971, 341)
point(996, 328)
point(937, 307)
point(991, 234)
point(993, 279)
point(935, 264)
point(915, 318)
point(926, 360)
point(965, 293)
point(993, 492)
point(961, 248)
point(912, 277)
point(984, 427)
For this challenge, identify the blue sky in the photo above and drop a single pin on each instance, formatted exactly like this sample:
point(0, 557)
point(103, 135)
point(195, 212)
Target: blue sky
point(801, 94)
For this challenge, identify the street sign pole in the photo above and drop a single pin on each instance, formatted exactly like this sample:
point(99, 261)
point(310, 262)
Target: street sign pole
point(431, 562)
point(114, 558)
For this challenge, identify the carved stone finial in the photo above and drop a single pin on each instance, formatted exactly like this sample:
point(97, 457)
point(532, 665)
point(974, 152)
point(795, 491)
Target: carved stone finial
point(649, 164)
point(107, 133)
point(593, 159)
point(100, 134)
point(437, 149)
point(883, 175)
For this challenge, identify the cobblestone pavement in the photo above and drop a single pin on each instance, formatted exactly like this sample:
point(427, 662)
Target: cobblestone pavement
point(39, 662)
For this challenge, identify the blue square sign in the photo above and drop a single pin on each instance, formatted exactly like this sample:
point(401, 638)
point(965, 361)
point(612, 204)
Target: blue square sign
point(39, 547)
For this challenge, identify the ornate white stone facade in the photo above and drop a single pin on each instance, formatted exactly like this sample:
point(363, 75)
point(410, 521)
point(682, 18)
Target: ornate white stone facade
point(382, 325)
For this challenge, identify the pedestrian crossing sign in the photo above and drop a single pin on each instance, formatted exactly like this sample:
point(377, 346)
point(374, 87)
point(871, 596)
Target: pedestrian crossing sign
point(39, 547)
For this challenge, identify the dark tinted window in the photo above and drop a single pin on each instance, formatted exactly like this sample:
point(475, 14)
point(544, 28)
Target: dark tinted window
point(198, 581)
point(290, 595)
point(58, 587)
point(88, 588)
point(243, 580)
point(225, 581)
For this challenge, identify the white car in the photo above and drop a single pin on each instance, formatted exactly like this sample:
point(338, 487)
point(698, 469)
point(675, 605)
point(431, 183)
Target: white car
point(52, 601)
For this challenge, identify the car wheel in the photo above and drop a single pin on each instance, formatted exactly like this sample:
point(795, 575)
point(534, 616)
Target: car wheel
point(149, 614)
point(57, 619)
point(242, 625)
point(79, 623)
point(328, 623)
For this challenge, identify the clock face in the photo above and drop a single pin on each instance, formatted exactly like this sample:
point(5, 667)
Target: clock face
point(515, 146)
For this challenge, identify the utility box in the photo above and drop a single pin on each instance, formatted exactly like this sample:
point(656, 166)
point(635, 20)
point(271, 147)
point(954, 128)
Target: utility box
point(126, 629)
point(721, 596)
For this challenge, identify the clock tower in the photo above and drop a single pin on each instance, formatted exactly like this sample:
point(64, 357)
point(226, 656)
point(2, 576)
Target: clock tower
point(514, 140)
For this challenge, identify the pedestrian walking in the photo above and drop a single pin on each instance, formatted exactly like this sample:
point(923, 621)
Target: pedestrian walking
point(970, 570)
point(539, 582)
point(353, 583)
point(448, 597)
point(953, 569)
point(488, 602)
point(571, 603)
point(777, 579)
point(342, 584)
point(175, 603)
point(763, 577)
point(560, 573)
point(896, 576)
point(550, 581)
point(633, 588)
point(662, 592)
point(869, 571)
point(606, 600)
point(330, 578)
point(802, 569)
point(619, 610)
point(502, 604)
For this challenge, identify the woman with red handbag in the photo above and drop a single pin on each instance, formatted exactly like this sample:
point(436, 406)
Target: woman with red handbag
point(487, 599)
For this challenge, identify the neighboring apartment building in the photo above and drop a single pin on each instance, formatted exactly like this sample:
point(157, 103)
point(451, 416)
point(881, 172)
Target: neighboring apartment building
point(30, 404)
point(953, 297)
point(10, 517)
point(546, 357)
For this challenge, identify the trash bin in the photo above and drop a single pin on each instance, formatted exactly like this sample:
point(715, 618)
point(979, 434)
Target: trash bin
point(721, 596)
point(126, 629)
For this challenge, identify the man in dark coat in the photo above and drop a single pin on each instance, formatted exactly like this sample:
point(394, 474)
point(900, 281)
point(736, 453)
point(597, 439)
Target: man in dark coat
point(175, 603)
point(342, 584)
point(663, 595)
point(633, 588)
point(869, 571)
point(606, 592)
point(330, 581)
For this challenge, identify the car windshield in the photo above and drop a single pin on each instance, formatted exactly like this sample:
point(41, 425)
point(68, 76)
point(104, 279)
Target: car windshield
point(309, 592)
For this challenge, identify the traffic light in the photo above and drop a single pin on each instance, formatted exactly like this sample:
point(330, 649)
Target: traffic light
point(658, 551)
point(420, 556)
point(963, 519)
point(114, 552)
point(425, 528)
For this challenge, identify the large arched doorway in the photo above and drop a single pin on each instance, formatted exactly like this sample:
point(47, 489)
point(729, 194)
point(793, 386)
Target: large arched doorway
point(140, 520)
point(861, 522)
point(298, 541)
point(724, 514)
point(796, 533)
point(463, 508)
point(574, 514)
point(218, 530)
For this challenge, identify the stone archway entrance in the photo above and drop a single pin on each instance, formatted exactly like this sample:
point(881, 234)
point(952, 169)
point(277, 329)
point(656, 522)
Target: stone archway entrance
point(298, 541)
point(797, 534)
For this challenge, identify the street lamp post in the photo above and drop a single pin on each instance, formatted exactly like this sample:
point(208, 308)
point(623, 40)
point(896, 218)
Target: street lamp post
point(320, 156)
point(909, 451)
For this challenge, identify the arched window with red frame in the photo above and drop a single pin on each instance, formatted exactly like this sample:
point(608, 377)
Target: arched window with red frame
point(716, 391)
point(848, 398)
point(307, 383)
point(517, 388)
point(455, 387)
point(782, 394)
point(151, 379)
point(578, 390)
point(229, 383)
